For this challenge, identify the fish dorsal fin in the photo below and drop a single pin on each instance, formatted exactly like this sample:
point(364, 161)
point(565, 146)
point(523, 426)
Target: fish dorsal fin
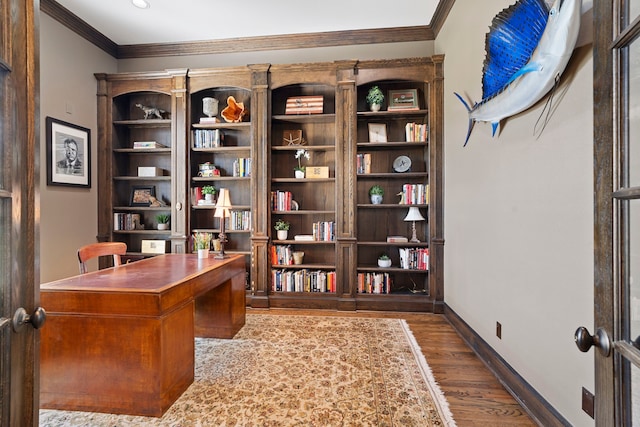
point(513, 36)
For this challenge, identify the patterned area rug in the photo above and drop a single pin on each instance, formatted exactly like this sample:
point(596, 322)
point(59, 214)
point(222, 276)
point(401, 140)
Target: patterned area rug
point(299, 371)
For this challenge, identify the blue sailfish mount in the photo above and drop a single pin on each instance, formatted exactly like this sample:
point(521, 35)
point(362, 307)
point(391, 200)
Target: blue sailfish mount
point(527, 49)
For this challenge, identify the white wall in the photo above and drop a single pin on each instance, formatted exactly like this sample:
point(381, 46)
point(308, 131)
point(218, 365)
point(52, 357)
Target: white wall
point(68, 217)
point(518, 218)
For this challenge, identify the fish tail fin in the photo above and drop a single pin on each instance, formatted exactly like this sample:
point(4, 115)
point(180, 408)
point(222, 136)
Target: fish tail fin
point(471, 121)
point(494, 128)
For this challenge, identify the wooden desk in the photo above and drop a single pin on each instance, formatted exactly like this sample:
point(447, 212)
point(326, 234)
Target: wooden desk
point(121, 340)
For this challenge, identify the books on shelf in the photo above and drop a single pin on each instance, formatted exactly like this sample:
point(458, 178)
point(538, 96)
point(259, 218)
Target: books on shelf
point(414, 258)
point(126, 222)
point(397, 239)
point(239, 221)
point(415, 194)
point(281, 255)
point(303, 280)
point(416, 132)
point(374, 283)
point(324, 231)
point(363, 163)
point(207, 138)
point(147, 144)
point(242, 167)
point(281, 200)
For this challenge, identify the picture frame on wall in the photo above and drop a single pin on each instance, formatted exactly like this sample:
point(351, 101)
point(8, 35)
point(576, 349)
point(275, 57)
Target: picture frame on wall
point(403, 100)
point(141, 195)
point(68, 154)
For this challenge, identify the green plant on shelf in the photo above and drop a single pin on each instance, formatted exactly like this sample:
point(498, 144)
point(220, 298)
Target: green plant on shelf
point(383, 257)
point(202, 240)
point(163, 218)
point(376, 190)
point(281, 225)
point(375, 96)
point(299, 155)
point(209, 189)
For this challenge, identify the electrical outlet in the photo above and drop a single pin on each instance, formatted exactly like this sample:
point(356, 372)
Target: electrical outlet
point(499, 330)
point(587, 402)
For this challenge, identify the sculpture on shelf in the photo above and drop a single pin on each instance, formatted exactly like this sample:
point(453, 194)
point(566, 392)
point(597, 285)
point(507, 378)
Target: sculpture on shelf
point(156, 203)
point(528, 47)
point(234, 111)
point(151, 112)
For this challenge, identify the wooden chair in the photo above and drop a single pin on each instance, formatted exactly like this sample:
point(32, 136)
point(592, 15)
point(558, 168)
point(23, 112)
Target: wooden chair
point(95, 250)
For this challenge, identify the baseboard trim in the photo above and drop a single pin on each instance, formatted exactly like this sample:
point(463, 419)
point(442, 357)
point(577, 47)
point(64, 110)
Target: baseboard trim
point(532, 402)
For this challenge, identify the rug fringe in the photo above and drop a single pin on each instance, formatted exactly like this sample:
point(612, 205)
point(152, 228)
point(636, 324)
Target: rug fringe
point(440, 400)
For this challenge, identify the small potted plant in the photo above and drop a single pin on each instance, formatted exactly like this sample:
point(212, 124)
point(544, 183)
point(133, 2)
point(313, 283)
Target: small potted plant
point(299, 170)
point(282, 229)
point(163, 221)
point(209, 191)
point(376, 192)
point(202, 243)
point(384, 261)
point(375, 97)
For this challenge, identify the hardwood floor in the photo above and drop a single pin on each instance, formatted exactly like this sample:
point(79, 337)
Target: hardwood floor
point(475, 396)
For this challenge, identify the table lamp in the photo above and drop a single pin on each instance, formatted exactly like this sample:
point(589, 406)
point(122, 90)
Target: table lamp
point(223, 205)
point(414, 215)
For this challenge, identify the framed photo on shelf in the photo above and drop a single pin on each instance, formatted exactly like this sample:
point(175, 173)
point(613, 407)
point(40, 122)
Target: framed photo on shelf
point(377, 132)
point(141, 195)
point(68, 154)
point(403, 100)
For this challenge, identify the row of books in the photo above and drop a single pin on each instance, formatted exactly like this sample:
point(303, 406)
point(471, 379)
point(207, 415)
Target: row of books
point(414, 258)
point(238, 221)
point(241, 167)
point(281, 255)
point(324, 231)
point(416, 132)
point(126, 221)
point(281, 200)
point(303, 281)
point(415, 194)
point(363, 163)
point(374, 283)
point(207, 138)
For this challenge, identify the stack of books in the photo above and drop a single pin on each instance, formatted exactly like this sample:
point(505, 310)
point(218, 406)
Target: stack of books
point(147, 144)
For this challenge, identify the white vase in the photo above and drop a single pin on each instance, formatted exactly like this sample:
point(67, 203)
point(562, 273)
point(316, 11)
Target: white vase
point(203, 253)
point(208, 198)
point(163, 226)
point(384, 263)
point(282, 234)
point(376, 199)
point(374, 107)
point(299, 174)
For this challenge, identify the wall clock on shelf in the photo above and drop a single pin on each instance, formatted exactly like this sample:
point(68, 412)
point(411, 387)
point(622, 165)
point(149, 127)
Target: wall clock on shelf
point(402, 164)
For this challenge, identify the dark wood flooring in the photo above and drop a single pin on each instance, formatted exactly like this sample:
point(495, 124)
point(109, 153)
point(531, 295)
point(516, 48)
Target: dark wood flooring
point(475, 396)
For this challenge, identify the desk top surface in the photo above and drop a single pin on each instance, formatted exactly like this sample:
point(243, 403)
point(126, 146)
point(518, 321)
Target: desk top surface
point(154, 274)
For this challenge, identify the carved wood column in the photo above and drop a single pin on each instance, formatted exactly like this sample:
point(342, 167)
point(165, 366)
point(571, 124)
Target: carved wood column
point(260, 190)
point(346, 135)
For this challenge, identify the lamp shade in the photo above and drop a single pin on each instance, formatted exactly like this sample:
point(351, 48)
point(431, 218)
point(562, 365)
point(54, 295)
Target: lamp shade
point(414, 214)
point(223, 204)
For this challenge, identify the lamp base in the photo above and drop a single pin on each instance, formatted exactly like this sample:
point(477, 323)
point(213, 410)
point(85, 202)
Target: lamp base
point(414, 236)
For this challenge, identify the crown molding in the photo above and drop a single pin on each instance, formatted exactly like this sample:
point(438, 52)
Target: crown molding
point(249, 44)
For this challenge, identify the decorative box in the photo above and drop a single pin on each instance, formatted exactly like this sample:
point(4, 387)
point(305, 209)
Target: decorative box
point(149, 171)
point(154, 246)
point(304, 105)
point(317, 172)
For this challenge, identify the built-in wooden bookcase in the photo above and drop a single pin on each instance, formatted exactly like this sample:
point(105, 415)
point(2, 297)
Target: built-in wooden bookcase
point(333, 195)
point(227, 149)
point(308, 203)
point(134, 109)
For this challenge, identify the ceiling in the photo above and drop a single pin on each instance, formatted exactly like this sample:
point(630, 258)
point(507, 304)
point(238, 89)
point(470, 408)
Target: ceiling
point(170, 21)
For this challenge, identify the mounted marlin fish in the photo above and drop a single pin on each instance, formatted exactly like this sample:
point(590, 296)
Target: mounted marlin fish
point(528, 47)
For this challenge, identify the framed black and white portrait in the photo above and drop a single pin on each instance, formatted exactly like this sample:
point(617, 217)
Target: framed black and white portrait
point(68, 154)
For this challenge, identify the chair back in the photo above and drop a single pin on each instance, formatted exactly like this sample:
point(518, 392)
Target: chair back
point(95, 250)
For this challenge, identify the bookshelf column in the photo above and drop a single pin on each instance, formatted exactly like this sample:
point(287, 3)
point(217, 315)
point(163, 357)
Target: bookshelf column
point(258, 296)
point(346, 242)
